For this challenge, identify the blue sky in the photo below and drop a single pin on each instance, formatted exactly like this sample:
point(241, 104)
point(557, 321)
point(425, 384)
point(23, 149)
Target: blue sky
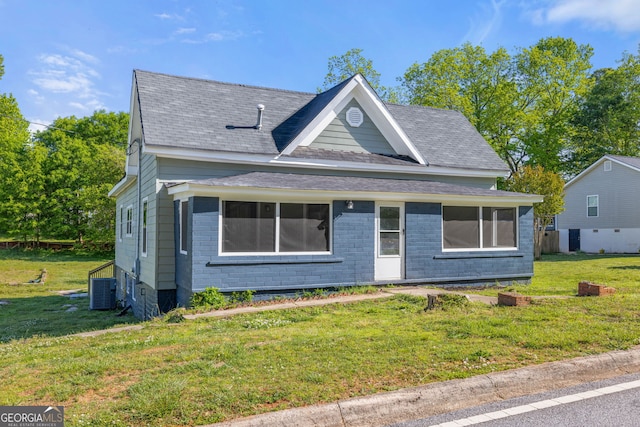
point(71, 57)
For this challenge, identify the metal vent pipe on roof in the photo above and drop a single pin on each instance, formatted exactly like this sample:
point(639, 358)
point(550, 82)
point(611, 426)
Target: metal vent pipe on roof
point(257, 126)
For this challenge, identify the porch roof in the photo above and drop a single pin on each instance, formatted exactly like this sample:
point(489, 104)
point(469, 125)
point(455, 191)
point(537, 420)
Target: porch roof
point(345, 187)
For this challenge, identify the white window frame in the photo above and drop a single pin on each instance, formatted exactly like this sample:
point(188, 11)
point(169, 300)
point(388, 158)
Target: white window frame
point(481, 231)
point(182, 217)
point(121, 224)
point(607, 165)
point(277, 251)
point(129, 223)
point(597, 206)
point(144, 244)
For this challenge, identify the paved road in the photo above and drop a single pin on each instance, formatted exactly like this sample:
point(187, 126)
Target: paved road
point(614, 402)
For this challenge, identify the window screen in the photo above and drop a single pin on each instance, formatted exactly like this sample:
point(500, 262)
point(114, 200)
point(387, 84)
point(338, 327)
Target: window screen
point(460, 227)
point(249, 227)
point(304, 227)
point(498, 227)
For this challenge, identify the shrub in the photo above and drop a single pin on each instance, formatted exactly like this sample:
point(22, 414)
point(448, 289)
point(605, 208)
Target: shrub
point(241, 297)
point(209, 298)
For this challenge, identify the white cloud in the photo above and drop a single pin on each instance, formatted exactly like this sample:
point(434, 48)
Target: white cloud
point(484, 23)
point(38, 125)
point(218, 36)
point(67, 78)
point(163, 16)
point(620, 15)
point(184, 31)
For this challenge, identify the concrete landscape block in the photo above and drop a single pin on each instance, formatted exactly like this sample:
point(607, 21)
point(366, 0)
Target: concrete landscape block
point(593, 289)
point(513, 299)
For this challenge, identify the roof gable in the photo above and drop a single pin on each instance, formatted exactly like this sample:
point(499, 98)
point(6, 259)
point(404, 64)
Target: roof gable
point(337, 99)
point(632, 163)
point(357, 137)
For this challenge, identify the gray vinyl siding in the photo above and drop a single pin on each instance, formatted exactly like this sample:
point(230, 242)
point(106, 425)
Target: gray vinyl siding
point(174, 170)
point(618, 194)
point(340, 135)
point(148, 191)
point(126, 249)
point(165, 240)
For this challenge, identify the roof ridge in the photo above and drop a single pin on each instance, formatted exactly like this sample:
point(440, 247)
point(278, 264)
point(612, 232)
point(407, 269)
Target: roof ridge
point(136, 70)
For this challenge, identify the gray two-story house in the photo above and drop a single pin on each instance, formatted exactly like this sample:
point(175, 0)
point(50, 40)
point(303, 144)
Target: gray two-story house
point(249, 188)
point(601, 208)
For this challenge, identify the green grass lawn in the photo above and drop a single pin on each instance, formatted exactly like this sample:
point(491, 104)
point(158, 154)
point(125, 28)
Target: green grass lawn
point(207, 370)
point(37, 309)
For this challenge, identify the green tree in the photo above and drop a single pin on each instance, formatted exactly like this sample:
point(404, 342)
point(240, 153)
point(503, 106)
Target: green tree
point(17, 214)
point(352, 62)
point(520, 103)
point(85, 158)
point(608, 117)
point(536, 180)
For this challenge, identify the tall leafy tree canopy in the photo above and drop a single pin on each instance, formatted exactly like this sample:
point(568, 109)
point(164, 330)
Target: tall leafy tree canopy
point(520, 103)
point(607, 120)
point(85, 158)
point(15, 149)
point(352, 62)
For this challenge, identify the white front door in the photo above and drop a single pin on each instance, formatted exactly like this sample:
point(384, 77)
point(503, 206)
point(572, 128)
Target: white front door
point(389, 241)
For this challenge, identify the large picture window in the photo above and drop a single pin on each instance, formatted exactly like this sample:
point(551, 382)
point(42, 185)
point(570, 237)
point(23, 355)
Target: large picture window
point(471, 227)
point(267, 227)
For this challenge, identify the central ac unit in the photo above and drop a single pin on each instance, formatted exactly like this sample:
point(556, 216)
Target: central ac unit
point(102, 294)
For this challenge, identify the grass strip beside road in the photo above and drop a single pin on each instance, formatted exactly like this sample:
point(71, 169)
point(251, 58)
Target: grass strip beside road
point(208, 370)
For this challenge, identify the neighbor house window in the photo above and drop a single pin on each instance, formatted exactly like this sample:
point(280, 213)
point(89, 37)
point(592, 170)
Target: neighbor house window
point(145, 205)
point(184, 210)
point(592, 205)
point(129, 226)
point(268, 227)
point(472, 227)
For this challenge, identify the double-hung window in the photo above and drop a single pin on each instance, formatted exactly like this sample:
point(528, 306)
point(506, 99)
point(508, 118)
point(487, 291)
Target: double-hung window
point(184, 225)
point(274, 227)
point(592, 205)
point(145, 207)
point(473, 227)
point(129, 226)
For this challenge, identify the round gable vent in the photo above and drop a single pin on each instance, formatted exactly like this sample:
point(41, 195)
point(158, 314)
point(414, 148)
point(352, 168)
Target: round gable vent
point(355, 117)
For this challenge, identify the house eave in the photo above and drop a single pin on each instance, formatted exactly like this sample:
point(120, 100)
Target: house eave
point(122, 185)
point(189, 189)
point(272, 160)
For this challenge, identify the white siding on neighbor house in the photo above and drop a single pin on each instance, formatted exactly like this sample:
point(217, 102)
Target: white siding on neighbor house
point(624, 240)
point(173, 170)
point(618, 194)
point(341, 136)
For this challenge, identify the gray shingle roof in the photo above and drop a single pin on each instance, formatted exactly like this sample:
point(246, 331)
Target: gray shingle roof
point(631, 161)
point(192, 113)
point(288, 181)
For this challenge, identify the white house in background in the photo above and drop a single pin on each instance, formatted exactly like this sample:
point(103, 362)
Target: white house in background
point(602, 208)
